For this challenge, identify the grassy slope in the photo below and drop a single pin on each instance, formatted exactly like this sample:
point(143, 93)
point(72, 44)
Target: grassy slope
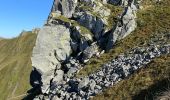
point(15, 65)
point(153, 21)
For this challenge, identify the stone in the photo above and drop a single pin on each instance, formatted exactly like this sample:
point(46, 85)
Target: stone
point(56, 98)
point(92, 84)
point(92, 23)
point(65, 7)
point(101, 73)
point(124, 27)
point(71, 71)
point(83, 83)
point(52, 46)
point(98, 87)
point(59, 74)
point(83, 44)
point(90, 51)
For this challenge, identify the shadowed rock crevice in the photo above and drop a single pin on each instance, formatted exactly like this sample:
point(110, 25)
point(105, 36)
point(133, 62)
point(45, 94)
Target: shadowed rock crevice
point(35, 78)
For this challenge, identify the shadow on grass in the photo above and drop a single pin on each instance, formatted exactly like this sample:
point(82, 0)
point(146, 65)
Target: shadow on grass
point(153, 91)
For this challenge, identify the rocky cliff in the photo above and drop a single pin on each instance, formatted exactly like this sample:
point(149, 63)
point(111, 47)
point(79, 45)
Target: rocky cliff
point(76, 31)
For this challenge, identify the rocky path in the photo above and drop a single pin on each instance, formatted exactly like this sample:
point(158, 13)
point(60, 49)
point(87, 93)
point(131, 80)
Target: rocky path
point(110, 73)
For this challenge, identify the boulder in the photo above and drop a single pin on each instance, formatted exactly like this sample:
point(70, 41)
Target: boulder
point(90, 51)
point(52, 47)
point(84, 82)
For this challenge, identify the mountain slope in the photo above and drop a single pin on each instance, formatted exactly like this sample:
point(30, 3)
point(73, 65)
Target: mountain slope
point(56, 55)
point(153, 27)
point(62, 60)
point(15, 65)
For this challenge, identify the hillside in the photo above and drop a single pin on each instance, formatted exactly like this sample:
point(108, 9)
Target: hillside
point(91, 49)
point(151, 81)
point(15, 65)
point(102, 43)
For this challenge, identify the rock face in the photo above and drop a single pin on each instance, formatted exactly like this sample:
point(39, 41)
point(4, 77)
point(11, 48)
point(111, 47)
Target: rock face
point(74, 33)
point(125, 26)
point(52, 47)
point(90, 51)
point(64, 7)
point(90, 22)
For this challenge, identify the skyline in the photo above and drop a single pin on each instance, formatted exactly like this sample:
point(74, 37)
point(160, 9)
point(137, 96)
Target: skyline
point(19, 15)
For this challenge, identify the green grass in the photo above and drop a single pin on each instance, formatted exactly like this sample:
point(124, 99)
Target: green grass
point(115, 11)
point(74, 23)
point(15, 65)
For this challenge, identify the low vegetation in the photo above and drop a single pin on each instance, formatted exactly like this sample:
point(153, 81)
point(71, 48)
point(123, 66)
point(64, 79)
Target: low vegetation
point(15, 65)
point(143, 85)
point(111, 19)
point(74, 23)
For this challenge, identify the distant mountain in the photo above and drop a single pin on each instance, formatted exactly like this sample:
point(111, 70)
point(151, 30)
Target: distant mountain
point(15, 66)
point(1, 38)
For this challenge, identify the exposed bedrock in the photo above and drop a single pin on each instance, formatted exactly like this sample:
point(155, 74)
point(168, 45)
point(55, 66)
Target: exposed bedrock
point(70, 38)
point(125, 25)
point(64, 7)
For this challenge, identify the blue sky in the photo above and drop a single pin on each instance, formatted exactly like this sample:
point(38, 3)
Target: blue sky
point(18, 15)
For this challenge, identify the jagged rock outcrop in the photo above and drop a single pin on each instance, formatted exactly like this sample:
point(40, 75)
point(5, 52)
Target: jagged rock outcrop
point(64, 7)
point(92, 23)
point(73, 34)
point(125, 26)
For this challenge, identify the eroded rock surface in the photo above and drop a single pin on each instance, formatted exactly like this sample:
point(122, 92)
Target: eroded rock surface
point(75, 31)
point(64, 7)
point(52, 47)
point(125, 26)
